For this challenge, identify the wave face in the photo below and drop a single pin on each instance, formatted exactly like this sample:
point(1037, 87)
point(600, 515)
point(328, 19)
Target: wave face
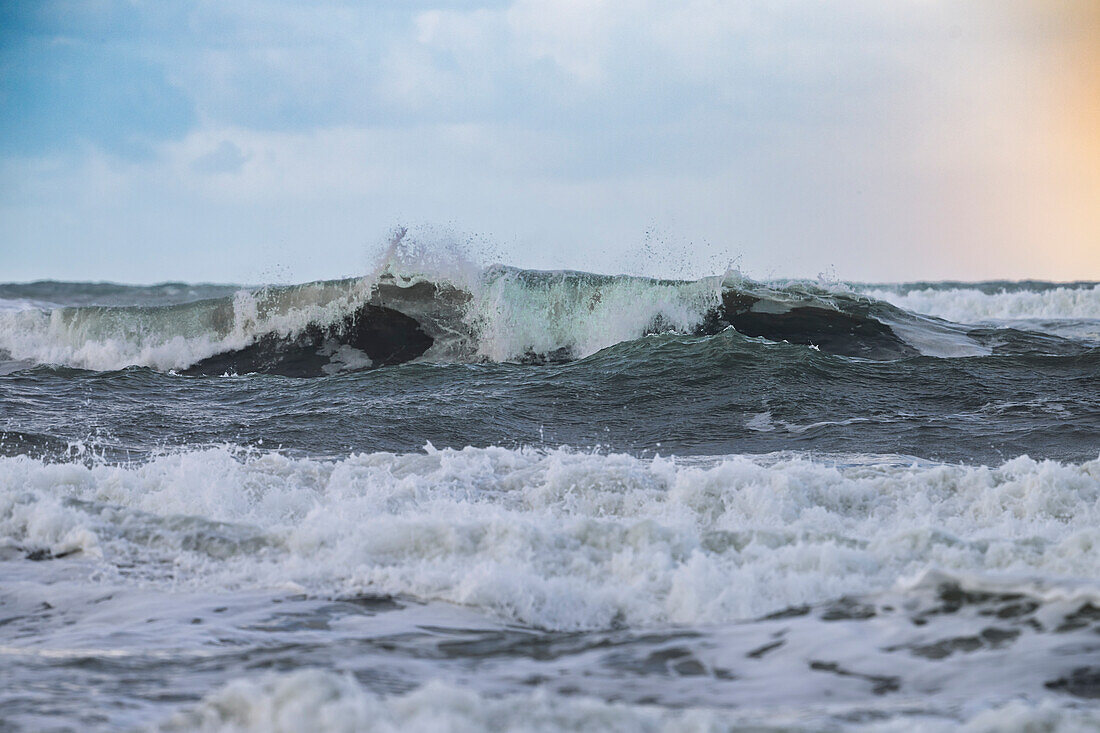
point(501, 315)
point(447, 497)
point(168, 335)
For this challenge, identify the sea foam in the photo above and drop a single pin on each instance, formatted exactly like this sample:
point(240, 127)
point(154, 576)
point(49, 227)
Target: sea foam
point(168, 337)
point(325, 702)
point(560, 539)
point(971, 305)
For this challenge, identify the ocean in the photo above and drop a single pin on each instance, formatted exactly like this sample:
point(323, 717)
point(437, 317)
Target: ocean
point(453, 498)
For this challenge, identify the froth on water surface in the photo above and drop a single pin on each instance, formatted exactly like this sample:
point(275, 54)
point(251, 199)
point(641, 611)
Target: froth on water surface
point(860, 590)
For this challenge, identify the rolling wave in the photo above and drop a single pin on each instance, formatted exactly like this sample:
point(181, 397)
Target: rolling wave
point(505, 314)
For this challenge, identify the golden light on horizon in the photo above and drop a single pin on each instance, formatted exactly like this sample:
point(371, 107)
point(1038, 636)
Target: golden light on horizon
point(1006, 115)
point(1075, 99)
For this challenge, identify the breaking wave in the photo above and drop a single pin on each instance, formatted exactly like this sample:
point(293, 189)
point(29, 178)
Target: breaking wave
point(416, 307)
point(998, 302)
point(498, 314)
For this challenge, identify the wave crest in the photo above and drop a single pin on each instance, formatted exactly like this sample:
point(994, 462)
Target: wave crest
point(975, 305)
point(439, 312)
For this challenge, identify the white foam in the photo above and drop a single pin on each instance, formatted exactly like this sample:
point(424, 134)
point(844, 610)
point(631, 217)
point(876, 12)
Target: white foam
point(969, 305)
point(169, 338)
point(514, 313)
point(561, 539)
point(320, 701)
point(513, 316)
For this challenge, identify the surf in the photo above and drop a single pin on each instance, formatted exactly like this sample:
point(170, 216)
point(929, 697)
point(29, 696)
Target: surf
point(449, 311)
point(504, 315)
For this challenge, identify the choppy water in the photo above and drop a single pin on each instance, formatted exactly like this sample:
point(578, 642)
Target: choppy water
point(550, 501)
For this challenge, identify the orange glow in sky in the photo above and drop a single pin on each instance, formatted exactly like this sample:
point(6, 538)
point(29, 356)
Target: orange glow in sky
point(1032, 157)
point(1075, 99)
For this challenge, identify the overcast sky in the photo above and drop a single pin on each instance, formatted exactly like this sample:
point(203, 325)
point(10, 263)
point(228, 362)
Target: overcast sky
point(275, 141)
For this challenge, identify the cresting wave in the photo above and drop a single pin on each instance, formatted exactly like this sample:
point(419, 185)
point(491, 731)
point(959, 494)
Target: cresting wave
point(560, 539)
point(997, 301)
point(166, 337)
point(498, 314)
point(452, 311)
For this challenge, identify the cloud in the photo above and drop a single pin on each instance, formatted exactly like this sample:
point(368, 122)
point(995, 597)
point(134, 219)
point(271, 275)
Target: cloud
point(226, 158)
point(901, 139)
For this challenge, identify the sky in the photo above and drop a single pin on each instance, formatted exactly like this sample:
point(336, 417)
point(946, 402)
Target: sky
point(277, 141)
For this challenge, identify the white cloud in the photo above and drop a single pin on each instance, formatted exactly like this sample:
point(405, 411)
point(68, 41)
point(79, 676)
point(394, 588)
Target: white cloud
point(866, 137)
